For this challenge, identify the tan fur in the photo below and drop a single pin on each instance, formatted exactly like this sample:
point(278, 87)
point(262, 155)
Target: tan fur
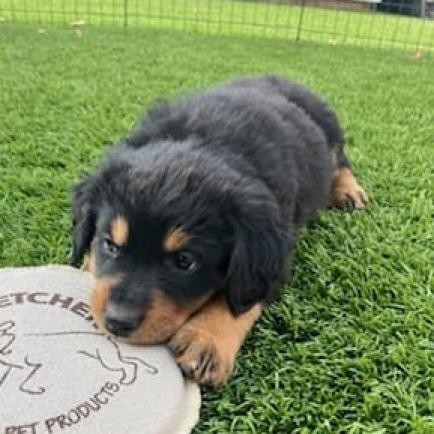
point(163, 318)
point(176, 239)
point(345, 187)
point(88, 263)
point(99, 297)
point(119, 231)
point(206, 345)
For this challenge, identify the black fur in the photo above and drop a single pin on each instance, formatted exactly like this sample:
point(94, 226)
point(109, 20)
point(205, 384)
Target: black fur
point(240, 167)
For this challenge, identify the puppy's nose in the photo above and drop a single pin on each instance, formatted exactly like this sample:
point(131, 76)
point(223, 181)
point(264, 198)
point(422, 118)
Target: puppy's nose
point(121, 324)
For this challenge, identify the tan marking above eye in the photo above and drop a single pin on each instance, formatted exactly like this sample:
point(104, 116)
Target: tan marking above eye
point(119, 230)
point(176, 239)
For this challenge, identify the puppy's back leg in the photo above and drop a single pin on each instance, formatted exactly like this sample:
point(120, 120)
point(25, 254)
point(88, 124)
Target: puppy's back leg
point(345, 193)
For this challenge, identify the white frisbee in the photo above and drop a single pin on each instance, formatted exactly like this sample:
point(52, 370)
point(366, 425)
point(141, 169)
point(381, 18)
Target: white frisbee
point(60, 374)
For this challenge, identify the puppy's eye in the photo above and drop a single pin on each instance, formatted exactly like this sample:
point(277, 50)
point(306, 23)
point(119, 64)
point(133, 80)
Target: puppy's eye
point(185, 261)
point(110, 247)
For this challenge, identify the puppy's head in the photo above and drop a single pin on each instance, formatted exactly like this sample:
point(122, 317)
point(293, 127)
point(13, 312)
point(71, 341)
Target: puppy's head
point(166, 232)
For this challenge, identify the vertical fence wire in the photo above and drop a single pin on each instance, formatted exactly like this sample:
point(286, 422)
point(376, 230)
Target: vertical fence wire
point(38, 9)
point(63, 11)
point(300, 21)
point(421, 31)
point(12, 6)
point(431, 37)
point(125, 13)
point(75, 10)
point(88, 11)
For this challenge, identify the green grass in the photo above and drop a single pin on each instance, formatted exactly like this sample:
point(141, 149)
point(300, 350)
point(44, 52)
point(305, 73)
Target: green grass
point(349, 348)
point(252, 17)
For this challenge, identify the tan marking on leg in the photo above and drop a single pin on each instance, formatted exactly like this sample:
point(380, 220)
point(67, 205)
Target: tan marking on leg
point(163, 318)
point(346, 193)
point(176, 239)
point(207, 344)
point(119, 231)
point(99, 297)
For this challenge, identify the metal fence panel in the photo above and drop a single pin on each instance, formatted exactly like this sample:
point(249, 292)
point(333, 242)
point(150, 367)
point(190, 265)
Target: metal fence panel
point(405, 24)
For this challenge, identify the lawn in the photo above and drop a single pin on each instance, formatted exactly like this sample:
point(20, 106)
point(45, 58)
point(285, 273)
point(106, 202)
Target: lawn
point(252, 17)
point(349, 348)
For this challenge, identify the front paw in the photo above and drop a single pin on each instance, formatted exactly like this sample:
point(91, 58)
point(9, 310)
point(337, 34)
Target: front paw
point(350, 198)
point(203, 357)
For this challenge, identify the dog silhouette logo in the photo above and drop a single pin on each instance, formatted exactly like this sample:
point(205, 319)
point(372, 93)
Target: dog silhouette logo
point(24, 368)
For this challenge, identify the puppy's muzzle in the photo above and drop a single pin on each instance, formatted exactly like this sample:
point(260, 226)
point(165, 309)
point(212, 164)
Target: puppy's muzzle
point(121, 322)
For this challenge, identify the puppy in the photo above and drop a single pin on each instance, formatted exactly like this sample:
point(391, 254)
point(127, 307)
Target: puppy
point(190, 223)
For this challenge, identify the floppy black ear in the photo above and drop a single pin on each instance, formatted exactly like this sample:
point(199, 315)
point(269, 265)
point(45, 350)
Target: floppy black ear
point(259, 260)
point(83, 218)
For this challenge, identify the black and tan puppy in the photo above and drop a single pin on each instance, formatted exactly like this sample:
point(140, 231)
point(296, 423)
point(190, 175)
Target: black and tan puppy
point(190, 223)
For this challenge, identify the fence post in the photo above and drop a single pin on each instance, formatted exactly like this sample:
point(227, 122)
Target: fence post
point(300, 21)
point(125, 13)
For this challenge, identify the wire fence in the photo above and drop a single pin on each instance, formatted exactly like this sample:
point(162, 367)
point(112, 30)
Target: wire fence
point(407, 24)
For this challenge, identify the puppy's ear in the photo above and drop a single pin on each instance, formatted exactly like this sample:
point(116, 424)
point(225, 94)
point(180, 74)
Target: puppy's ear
point(83, 218)
point(259, 259)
